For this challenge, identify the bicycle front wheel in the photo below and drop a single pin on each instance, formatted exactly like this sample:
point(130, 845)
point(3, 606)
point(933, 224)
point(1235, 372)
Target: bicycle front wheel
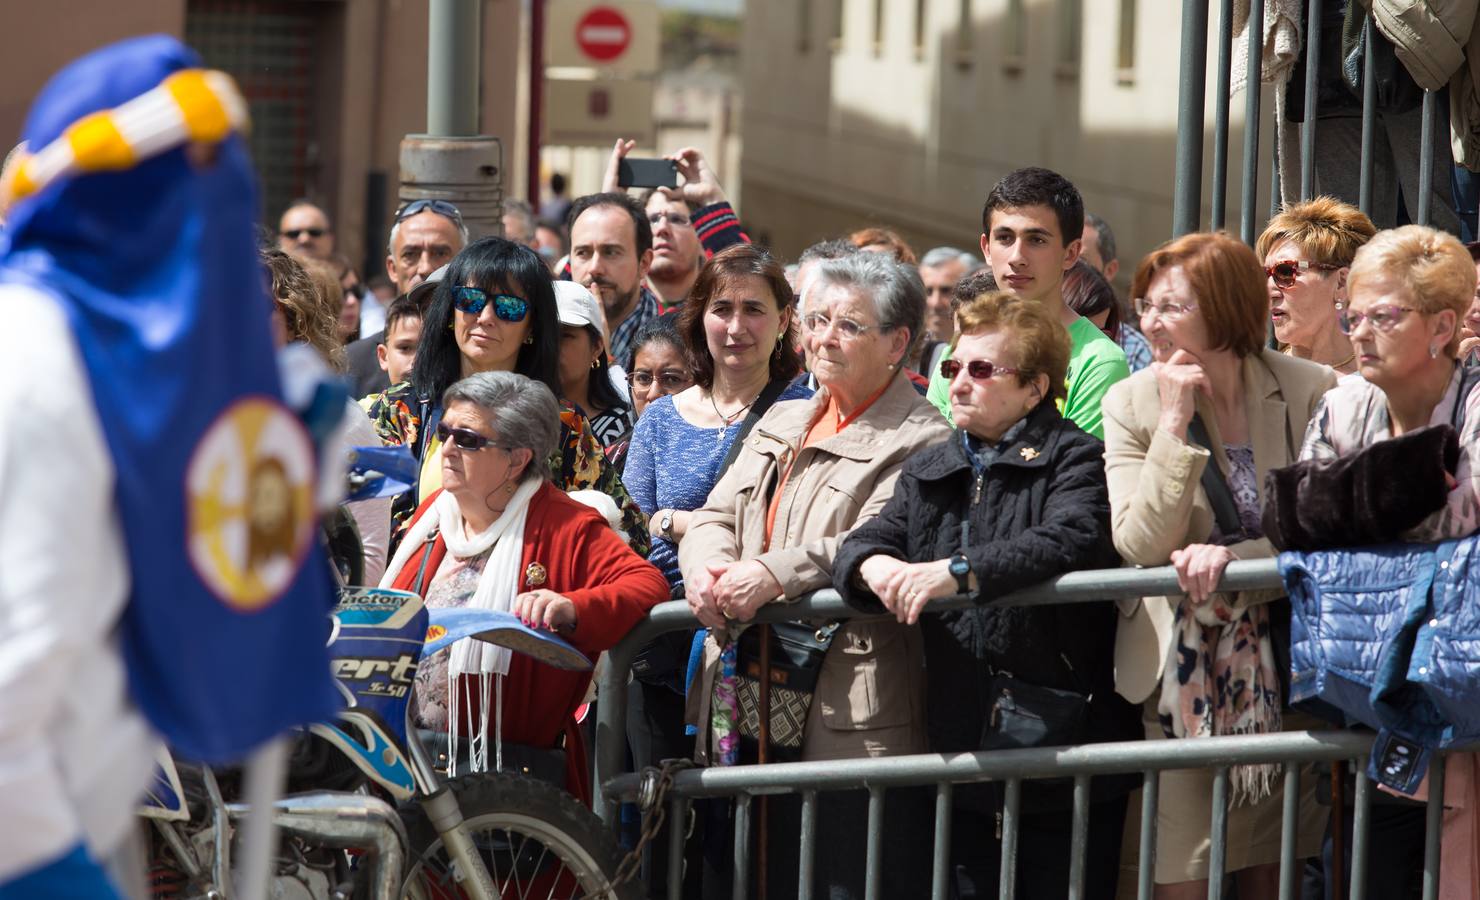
point(535, 839)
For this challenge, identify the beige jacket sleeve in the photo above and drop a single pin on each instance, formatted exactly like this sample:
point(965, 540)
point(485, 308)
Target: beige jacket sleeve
point(1153, 479)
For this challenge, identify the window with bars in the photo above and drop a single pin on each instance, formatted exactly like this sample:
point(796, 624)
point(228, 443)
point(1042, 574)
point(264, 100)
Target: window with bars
point(878, 27)
point(804, 25)
point(920, 15)
point(964, 36)
point(837, 23)
point(268, 46)
point(1071, 17)
point(1014, 36)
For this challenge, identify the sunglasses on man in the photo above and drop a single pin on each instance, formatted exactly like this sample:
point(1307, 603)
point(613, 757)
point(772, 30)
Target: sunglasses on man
point(294, 234)
point(440, 207)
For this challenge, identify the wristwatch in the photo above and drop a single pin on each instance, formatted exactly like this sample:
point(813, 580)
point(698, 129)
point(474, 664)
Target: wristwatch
point(665, 524)
point(962, 570)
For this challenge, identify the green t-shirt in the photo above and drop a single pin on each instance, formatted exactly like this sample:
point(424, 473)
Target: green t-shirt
point(1095, 363)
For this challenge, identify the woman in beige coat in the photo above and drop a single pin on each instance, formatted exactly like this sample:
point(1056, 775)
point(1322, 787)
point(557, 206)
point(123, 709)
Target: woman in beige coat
point(810, 471)
point(1204, 308)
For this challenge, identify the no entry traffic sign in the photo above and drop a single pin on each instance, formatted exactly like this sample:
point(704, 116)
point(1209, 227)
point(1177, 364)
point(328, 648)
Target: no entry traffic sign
point(603, 33)
point(619, 37)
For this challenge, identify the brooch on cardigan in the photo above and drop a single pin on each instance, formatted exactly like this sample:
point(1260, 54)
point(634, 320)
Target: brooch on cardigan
point(1029, 453)
point(534, 576)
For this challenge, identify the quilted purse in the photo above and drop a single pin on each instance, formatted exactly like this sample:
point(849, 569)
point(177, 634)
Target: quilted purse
point(797, 650)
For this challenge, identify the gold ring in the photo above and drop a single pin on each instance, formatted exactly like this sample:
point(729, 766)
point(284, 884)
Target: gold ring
point(727, 614)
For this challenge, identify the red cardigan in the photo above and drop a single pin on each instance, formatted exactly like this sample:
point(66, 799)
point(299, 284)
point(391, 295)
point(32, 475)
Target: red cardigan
point(612, 588)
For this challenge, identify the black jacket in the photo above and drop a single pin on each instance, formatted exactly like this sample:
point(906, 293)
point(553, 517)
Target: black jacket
point(1041, 509)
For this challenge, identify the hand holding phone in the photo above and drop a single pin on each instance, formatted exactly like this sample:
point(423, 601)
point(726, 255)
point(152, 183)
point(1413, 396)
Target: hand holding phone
point(641, 172)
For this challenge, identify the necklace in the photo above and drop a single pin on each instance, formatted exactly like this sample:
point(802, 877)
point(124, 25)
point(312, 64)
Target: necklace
point(730, 419)
point(1345, 361)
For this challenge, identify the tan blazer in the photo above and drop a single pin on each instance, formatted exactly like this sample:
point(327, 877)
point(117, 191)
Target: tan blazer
point(1157, 503)
point(869, 699)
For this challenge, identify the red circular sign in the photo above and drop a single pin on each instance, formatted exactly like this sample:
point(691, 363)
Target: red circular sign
point(603, 33)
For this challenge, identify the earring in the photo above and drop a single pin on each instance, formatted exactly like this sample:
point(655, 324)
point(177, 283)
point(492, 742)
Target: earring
point(511, 488)
point(1433, 351)
point(594, 364)
point(529, 339)
point(777, 354)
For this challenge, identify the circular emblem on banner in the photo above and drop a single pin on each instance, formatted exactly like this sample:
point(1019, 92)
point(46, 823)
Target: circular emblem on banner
point(249, 496)
point(434, 632)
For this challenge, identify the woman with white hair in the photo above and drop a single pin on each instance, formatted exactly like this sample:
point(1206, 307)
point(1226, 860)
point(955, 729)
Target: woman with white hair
point(498, 535)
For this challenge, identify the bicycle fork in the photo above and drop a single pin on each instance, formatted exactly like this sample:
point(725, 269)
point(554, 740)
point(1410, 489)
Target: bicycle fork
point(446, 817)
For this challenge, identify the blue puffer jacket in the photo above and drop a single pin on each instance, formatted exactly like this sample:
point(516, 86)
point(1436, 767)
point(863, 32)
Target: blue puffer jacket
point(1390, 636)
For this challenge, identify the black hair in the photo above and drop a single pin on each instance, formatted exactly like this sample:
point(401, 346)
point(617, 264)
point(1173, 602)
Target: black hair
point(600, 390)
point(1088, 293)
point(557, 183)
point(493, 264)
point(403, 307)
point(1038, 187)
point(640, 225)
point(972, 286)
point(660, 330)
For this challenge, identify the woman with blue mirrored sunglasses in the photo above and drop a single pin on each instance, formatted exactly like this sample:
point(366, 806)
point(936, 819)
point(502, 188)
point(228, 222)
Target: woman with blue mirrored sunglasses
point(522, 335)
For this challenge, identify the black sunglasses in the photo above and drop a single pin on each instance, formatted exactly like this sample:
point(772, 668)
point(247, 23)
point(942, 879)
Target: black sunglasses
point(463, 438)
point(473, 301)
point(440, 207)
point(294, 234)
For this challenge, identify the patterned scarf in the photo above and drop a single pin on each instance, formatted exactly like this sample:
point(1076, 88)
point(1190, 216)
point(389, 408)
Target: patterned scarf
point(1221, 680)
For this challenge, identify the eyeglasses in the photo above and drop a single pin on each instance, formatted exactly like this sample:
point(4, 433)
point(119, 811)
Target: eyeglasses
point(440, 207)
point(846, 328)
point(1163, 310)
point(506, 307)
point(668, 382)
point(979, 369)
point(464, 439)
point(1383, 318)
point(677, 220)
point(294, 234)
point(1286, 271)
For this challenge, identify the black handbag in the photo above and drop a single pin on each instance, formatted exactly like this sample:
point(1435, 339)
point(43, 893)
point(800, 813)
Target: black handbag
point(1024, 715)
point(797, 650)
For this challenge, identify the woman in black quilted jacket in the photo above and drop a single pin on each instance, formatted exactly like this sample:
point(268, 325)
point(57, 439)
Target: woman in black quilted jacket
point(1016, 496)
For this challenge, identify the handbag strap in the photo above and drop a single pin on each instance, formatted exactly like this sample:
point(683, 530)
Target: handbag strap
point(1225, 512)
point(763, 402)
point(421, 572)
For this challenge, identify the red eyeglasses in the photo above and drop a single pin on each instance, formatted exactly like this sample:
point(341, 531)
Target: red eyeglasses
point(1286, 271)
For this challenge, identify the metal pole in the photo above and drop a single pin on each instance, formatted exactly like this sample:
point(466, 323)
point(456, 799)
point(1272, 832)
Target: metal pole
point(1338, 830)
point(1433, 826)
point(536, 97)
point(1360, 833)
point(763, 755)
point(1426, 157)
point(1369, 116)
point(1253, 85)
point(1187, 198)
point(1146, 863)
point(873, 861)
point(940, 875)
point(742, 846)
point(1308, 132)
point(1218, 856)
point(1289, 831)
point(809, 845)
point(677, 819)
point(1079, 838)
point(452, 68)
point(267, 772)
point(1007, 875)
point(1221, 102)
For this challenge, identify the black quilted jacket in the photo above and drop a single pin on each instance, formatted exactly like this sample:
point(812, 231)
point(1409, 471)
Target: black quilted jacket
point(1041, 509)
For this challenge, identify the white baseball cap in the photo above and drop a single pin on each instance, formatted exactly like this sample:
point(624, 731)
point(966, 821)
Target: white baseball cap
point(578, 308)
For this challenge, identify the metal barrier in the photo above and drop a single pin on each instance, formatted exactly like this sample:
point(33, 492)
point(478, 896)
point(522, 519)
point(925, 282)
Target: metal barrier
point(1011, 767)
point(1187, 200)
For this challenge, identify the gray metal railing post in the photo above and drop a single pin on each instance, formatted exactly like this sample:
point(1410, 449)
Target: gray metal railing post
point(1187, 198)
point(1146, 860)
point(677, 819)
point(742, 847)
point(1361, 831)
point(1253, 85)
point(1289, 831)
point(1369, 116)
point(1433, 828)
point(1079, 837)
point(1426, 158)
point(940, 870)
point(1308, 130)
point(874, 857)
point(809, 845)
point(1221, 102)
point(1007, 876)
point(452, 67)
point(1218, 835)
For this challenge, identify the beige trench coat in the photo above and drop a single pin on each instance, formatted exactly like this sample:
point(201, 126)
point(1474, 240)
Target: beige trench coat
point(1157, 503)
point(870, 692)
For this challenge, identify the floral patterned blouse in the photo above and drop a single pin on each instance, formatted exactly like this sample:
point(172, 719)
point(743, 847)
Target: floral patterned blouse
point(578, 464)
point(1354, 415)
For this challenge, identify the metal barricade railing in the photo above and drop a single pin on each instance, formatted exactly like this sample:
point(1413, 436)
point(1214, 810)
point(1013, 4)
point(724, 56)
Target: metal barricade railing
point(743, 783)
point(1191, 112)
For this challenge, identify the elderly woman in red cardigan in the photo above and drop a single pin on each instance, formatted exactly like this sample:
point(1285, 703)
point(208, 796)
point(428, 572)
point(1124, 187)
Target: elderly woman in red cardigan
point(498, 536)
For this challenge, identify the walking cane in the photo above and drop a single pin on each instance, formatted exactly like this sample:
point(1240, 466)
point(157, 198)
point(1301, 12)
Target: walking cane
point(1338, 830)
point(762, 757)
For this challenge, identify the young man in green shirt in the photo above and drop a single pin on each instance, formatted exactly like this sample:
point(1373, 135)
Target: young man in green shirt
point(1025, 221)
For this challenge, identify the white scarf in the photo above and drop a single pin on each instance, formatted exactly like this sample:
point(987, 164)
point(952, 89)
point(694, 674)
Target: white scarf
point(497, 587)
